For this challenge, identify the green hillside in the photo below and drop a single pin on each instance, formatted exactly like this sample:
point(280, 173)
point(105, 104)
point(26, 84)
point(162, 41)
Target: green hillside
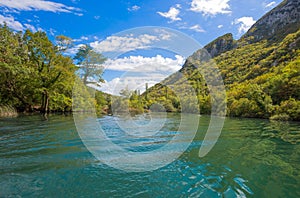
point(261, 76)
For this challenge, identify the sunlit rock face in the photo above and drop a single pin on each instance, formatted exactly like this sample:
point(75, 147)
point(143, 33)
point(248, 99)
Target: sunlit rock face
point(276, 24)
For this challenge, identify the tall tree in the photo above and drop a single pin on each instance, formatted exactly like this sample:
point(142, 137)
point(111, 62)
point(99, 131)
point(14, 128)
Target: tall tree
point(90, 63)
point(48, 63)
point(14, 71)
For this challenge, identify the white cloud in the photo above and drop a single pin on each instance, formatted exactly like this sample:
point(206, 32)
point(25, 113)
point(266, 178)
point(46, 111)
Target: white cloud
point(244, 24)
point(130, 82)
point(130, 42)
point(124, 43)
point(163, 34)
point(30, 27)
point(145, 64)
point(109, 87)
point(52, 31)
point(97, 17)
point(41, 29)
point(178, 6)
point(30, 5)
point(220, 26)
point(134, 8)
point(78, 14)
point(172, 13)
point(271, 4)
point(11, 22)
point(138, 71)
point(73, 50)
point(82, 38)
point(211, 7)
point(197, 28)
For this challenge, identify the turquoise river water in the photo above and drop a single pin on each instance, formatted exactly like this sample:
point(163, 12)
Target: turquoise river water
point(252, 158)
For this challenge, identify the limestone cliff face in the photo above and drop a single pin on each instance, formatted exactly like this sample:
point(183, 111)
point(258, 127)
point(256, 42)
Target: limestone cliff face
point(273, 26)
point(276, 24)
point(222, 44)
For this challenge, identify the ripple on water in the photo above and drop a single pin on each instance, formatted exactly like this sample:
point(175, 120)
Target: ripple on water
point(48, 159)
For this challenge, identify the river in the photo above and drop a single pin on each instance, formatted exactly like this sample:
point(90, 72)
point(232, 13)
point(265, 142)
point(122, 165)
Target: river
point(252, 158)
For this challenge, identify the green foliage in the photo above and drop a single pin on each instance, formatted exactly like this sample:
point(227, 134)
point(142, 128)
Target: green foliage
point(15, 71)
point(102, 103)
point(90, 64)
point(135, 103)
point(35, 75)
point(7, 111)
point(127, 102)
point(290, 107)
point(33, 72)
point(53, 73)
point(262, 80)
point(280, 117)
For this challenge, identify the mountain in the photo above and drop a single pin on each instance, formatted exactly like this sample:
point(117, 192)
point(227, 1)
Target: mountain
point(221, 44)
point(276, 24)
point(273, 26)
point(261, 71)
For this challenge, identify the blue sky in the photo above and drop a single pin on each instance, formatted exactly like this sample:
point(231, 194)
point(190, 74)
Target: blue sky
point(95, 21)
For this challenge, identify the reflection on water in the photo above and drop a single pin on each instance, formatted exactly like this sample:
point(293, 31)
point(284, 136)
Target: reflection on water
point(253, 158)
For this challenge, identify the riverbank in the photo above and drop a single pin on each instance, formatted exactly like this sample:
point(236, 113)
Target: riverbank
point(8, 111)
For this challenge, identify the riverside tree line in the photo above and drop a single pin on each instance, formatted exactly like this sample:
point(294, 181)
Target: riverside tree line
point(262, 79)
point(35, 75)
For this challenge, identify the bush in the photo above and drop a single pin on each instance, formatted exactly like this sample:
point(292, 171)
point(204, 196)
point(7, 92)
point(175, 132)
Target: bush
point(280, 117)
point(290, 107)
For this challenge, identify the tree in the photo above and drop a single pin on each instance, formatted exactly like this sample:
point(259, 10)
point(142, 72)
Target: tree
point(90, 62)
point(14, 71)
point(33, 71)
point(63, 42)
point(48, 63)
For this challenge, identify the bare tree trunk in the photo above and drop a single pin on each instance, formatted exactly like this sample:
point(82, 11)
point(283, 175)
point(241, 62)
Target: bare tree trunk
point(45, 102)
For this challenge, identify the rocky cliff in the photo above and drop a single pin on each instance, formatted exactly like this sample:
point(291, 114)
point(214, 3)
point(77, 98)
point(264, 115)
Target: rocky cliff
point(276, 24)
point(221, 44)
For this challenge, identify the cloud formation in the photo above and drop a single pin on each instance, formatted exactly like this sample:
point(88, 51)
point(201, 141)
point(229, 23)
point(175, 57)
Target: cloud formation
point(30, 27)
point(145, 64)
point(244, 24)
point(11, 22)
point(271, 4)
point(130, 82)
point(134, 8)
point(172, 14)
point(210, 7)
point(197, 28)
point(126, 43)
point(139, 70)
point(73, 50)
point(82, 38)
point(34, 5)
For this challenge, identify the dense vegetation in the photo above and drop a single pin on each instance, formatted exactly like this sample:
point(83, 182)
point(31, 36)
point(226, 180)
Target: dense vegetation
point(261, 74)
point(36, 76)
point(262, 80)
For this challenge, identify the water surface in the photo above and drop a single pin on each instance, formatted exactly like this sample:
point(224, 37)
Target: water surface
point(252, 158)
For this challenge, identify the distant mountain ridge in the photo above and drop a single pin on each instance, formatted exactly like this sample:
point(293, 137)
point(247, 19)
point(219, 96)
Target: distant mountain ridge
point(261, 70)
point(276, 24)
point(273, 26)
